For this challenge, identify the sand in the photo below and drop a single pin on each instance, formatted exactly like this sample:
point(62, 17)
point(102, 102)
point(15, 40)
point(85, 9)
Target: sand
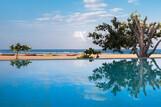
point(70, 56)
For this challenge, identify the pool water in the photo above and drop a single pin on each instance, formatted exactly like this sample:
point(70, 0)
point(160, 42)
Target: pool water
point(80, 83)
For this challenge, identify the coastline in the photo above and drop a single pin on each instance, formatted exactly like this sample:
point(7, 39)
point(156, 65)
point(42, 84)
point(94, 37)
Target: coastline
point(69, 56)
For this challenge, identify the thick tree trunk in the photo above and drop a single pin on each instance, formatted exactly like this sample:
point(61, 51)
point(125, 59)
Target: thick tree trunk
point(139, 33)
point(143, 52)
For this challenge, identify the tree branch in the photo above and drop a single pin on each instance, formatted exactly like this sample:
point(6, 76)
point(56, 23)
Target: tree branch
point(156, 64)
point(154, 48)
point(135, 50)
point(153, 29)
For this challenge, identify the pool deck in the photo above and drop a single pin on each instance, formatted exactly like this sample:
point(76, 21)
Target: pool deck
point(70, 56)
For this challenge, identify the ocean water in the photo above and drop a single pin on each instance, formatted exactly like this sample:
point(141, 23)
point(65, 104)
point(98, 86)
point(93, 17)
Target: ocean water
point(64, 51)
point(80, 83)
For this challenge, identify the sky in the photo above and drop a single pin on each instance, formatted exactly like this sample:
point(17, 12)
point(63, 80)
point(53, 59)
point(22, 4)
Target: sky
point(64, 24)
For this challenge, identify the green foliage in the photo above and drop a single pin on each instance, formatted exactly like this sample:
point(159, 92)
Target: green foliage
point(18, 48)
point(135, 34)
point(111, 37)
point(91, 51)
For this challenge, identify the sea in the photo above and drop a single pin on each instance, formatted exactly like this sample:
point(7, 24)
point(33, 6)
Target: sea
point(66, 51)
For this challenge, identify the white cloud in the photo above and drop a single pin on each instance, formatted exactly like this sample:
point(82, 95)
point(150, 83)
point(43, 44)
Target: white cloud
point(99, 6)
point(132, 1)
point(116, 10)
point(91, 16)
point(77, 18)
point(96, 12)
point(51, 26)
point(80, 35)
point(43, 19)
point(51, 17)
point(94, 4)
point(58, 18)
point(90, 1)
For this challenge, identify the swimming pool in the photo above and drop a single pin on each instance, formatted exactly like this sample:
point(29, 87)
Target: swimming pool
point(80, 83)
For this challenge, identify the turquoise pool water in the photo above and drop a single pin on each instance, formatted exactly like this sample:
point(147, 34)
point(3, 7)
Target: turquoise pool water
point(80, 83)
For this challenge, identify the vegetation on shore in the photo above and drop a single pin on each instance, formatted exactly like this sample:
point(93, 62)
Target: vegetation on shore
point(89, 53)
point(19, 48)
point(135, 34)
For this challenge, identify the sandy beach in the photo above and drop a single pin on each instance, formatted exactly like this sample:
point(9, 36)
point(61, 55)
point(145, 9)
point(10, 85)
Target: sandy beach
point(70, 56)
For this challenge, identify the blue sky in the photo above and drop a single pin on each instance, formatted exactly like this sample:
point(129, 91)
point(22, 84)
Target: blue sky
point(64, 23)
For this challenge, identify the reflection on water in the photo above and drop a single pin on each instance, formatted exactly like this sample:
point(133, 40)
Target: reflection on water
point(134, 75)
point(65, 83)
point(20, 63)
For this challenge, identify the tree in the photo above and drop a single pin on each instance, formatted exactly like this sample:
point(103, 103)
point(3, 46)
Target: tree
point(18, 48)
point(135, 34)
point(90, 51)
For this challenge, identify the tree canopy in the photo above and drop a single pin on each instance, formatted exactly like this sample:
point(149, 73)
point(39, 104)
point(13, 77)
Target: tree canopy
point(91, 51)
point(135, 34)
point(18, 48)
